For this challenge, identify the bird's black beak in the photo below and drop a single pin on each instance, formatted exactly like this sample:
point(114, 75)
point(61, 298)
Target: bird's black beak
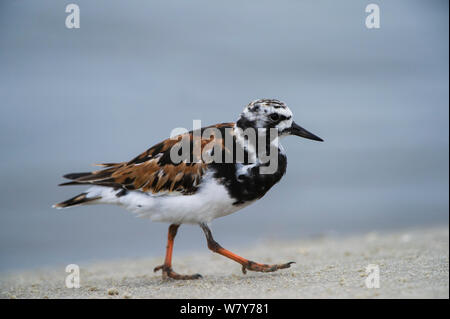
point(300, 131)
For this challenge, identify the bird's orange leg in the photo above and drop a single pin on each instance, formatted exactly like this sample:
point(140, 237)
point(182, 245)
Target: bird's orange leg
point(166, 268)
point(246, 264)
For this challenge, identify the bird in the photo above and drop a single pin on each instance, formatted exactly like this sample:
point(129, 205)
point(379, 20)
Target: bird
point(225, 168)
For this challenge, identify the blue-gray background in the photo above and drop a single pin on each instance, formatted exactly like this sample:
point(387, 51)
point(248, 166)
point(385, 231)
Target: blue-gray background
point(137, 69)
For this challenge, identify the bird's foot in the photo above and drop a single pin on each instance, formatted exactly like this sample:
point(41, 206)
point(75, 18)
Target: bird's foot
point(252, 266)
point(167, 272)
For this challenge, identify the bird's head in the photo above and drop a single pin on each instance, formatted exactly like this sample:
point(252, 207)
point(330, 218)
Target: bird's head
point(269, 113)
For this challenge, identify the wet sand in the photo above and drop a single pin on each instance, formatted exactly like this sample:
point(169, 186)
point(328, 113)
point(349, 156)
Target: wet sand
point(412, 264)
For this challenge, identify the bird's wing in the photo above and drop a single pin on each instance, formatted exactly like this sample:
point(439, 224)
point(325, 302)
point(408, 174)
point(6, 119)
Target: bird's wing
point(153, 171)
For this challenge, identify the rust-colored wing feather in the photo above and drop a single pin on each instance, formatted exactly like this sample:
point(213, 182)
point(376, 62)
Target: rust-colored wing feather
point(153, 171)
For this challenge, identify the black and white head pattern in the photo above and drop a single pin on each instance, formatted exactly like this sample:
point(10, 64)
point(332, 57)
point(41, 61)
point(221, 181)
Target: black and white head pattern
point(266, 113)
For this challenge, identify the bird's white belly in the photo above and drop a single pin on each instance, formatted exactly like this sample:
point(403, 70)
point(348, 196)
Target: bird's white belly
point(209, 202)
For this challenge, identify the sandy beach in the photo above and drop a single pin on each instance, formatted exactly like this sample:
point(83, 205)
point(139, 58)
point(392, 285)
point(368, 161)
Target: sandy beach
point(412, 263)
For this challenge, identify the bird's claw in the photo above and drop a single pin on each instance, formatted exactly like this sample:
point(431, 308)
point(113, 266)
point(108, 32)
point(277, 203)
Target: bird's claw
point(167, 272)
point(252, 266)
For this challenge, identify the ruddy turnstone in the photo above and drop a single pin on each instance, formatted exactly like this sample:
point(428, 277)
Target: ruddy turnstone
point(198, 176)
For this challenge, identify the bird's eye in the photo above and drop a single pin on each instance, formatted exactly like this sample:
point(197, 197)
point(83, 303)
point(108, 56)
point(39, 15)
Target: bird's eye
point(274, 117)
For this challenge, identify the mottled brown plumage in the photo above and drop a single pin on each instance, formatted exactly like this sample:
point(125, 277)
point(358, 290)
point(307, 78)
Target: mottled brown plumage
point(153, 171)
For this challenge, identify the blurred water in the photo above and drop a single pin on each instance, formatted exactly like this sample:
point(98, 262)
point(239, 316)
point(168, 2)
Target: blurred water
point(137, 69)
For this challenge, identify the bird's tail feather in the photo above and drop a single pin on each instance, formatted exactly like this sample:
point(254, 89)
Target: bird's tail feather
point(77, 200)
